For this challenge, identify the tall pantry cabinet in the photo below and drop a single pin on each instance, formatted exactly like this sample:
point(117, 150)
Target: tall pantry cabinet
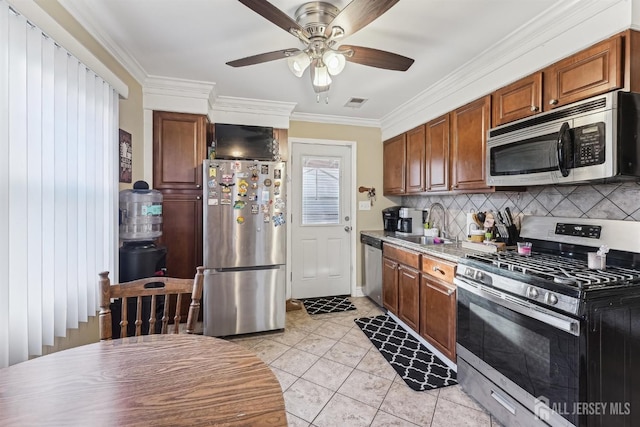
point(179, 148)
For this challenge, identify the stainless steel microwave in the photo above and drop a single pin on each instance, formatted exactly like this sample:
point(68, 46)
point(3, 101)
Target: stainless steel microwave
point(592, 140)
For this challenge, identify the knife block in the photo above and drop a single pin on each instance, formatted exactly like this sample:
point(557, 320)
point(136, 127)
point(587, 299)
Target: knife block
point(508, 234)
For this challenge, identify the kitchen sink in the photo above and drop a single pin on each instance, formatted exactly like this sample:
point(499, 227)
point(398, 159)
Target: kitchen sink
point(423, 240)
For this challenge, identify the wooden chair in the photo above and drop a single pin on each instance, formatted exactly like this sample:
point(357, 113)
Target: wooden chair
point(149, 287)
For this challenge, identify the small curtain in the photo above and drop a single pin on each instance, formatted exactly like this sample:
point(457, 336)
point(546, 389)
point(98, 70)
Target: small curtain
point(58, 188)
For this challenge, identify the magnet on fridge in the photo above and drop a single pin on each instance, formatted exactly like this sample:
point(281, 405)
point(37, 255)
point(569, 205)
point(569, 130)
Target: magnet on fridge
point(254, 209)
point(279, 205)
point(265, 218)
point(253, 197)
point(243, 186)
point(264, 170)
point(277, 173)
point(236, 166)
point(212, 202)
point(265, 208)
point(225, 201)
point(267, 182)
point(213, 194)
point(254, 175)
point(212, 172)
point(240, 220)
point(212, 183)
point(226, 189)
point(227, 177)
point(239, 204)
point(254, 185)
point(276, 191)
point(278, 220)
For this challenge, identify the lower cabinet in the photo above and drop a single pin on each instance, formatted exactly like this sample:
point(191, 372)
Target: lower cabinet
point(438, 305)
point(401, 284)
point(390, 285)
point(409, 296)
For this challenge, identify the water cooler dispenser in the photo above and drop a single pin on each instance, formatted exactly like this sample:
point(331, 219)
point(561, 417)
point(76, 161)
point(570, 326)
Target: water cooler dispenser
point(140, 257)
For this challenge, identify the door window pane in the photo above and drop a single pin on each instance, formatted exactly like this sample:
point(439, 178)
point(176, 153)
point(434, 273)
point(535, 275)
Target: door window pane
point(320, 190)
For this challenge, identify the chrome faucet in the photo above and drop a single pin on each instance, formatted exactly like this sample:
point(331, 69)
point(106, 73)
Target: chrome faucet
point(443, 231)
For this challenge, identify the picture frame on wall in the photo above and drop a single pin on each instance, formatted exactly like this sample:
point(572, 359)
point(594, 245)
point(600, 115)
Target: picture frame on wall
point(125, 156)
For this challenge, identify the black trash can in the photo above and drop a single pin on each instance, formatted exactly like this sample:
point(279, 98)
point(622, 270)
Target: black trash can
point(138, 260)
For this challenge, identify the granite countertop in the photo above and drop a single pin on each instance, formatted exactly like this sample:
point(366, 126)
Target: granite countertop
point(449, 251)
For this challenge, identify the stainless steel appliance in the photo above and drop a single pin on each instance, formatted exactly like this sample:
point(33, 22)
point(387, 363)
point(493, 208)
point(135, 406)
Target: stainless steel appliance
point(244, 246)
point(410, 222)
point(372, 267)
point(544, 340)
point(589, 140)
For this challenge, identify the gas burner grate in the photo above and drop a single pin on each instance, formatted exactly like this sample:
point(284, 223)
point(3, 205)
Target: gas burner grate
point(568, 271)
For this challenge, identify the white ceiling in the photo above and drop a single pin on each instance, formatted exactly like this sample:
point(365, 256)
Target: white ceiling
point(193, 39)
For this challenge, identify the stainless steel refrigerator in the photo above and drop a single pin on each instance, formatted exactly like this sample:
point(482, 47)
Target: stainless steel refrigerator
point(244, 246)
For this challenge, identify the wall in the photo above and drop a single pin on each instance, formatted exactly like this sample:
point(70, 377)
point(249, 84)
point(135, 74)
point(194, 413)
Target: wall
point(369, 170)
point(620, 201)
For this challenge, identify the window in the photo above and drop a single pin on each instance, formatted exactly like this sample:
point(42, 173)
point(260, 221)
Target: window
point(58, 188)
point(320, 191)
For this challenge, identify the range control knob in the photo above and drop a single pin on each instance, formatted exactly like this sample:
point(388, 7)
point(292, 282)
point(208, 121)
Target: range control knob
point(479, 276)
point(468, 272)
point(532, 292)
point(551, 299)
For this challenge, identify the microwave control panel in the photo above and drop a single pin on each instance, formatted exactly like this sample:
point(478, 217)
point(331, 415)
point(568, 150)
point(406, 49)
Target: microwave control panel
point(588, 145)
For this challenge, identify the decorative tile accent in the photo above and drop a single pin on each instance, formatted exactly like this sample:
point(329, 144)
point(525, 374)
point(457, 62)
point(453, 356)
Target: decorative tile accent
point(605, 201)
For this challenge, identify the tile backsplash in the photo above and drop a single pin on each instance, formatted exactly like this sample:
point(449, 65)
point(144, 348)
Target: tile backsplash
point(607, 201)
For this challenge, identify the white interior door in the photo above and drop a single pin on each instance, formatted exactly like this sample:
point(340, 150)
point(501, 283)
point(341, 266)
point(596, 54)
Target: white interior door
point(321, 220)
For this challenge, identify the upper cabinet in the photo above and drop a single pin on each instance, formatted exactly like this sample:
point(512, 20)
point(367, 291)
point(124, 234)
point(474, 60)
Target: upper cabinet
point(394, 169)
point(437, 154)
point(179, 147)
point(415, 175)
point(518, 100)
point(590, 72)
point(469, 126)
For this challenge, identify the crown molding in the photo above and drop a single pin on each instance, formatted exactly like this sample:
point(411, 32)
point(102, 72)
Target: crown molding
point(80, 12)
point(335, 120)
point(170, 94)
point(438, 98)
point(257, 112)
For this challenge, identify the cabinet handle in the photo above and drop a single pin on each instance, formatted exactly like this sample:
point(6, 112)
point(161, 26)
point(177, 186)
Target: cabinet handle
point(198, 186)
point(438, 269)
point(449, 292)
point(553, 102)
point(534, 108)
point(198, 197)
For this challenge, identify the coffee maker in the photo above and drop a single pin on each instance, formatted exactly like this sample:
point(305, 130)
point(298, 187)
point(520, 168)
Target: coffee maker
point(390, 217)
point(410, 221)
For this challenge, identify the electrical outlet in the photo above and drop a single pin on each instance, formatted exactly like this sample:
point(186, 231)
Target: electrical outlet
point(364, 205)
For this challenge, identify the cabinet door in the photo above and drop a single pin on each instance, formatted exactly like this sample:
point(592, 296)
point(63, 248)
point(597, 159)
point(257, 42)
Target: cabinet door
point(518, 100)
point(394, 165)
point(415, 160)
point(437, 153)
point(469, 126)
point(438, 315)
point(179, 147)
point(593, 71)
point(182, 232)
point(390, 285)
point(409, 296)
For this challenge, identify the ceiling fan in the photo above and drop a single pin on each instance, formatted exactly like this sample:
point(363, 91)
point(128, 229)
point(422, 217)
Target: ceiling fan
point(320, 26)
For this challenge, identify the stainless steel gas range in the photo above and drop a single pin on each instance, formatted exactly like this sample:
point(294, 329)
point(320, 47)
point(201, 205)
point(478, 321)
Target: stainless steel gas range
point(545, 340)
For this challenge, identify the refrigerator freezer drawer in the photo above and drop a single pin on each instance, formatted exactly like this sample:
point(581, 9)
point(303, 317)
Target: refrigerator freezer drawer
point(243, 301)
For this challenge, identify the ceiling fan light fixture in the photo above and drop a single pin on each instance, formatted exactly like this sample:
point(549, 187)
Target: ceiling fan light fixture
point(320, 78)
point(298, 63)
point(335, 62)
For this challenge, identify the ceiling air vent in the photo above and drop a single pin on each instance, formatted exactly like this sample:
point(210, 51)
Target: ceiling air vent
point(355, 102)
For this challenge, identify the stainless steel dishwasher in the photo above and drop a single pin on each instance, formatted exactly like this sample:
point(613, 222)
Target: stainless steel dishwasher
point(372, 267)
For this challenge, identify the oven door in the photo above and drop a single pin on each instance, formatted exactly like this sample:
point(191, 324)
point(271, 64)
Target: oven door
point(534, 350)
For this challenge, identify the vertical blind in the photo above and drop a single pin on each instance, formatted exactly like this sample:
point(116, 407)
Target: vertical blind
point(58, 188)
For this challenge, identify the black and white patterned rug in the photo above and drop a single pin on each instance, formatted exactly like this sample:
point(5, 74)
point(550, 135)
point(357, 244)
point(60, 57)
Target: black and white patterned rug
point(418, 367)
point(323, 305)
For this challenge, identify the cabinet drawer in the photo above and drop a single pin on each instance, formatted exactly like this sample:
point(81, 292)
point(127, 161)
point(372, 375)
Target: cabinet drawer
point(438, 268)
point(403, 256)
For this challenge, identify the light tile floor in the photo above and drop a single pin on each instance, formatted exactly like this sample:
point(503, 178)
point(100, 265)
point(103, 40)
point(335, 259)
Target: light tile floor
point(331, 375)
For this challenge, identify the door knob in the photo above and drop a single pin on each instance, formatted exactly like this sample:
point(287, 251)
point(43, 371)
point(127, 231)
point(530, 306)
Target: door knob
point(347, 228)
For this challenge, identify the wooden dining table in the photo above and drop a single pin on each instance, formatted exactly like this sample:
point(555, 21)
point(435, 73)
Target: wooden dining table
point(154, 380)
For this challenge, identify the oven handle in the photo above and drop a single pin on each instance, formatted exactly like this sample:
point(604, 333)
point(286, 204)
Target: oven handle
point(548, 317)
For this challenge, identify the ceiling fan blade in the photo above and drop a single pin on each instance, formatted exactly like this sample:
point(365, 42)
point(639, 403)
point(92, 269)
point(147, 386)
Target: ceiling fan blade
point(358, 14)
point(263, 57)
point(377, 58)
point(272, 14)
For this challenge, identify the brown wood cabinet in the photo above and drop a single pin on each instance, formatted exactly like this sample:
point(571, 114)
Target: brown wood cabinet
point(179, 148)
point(395, 165)
point(590, 72)
point(438, 305)
point(415, 162)
point(401, 283)
point(518, 100)
point(469, 126)
point(437, 154)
